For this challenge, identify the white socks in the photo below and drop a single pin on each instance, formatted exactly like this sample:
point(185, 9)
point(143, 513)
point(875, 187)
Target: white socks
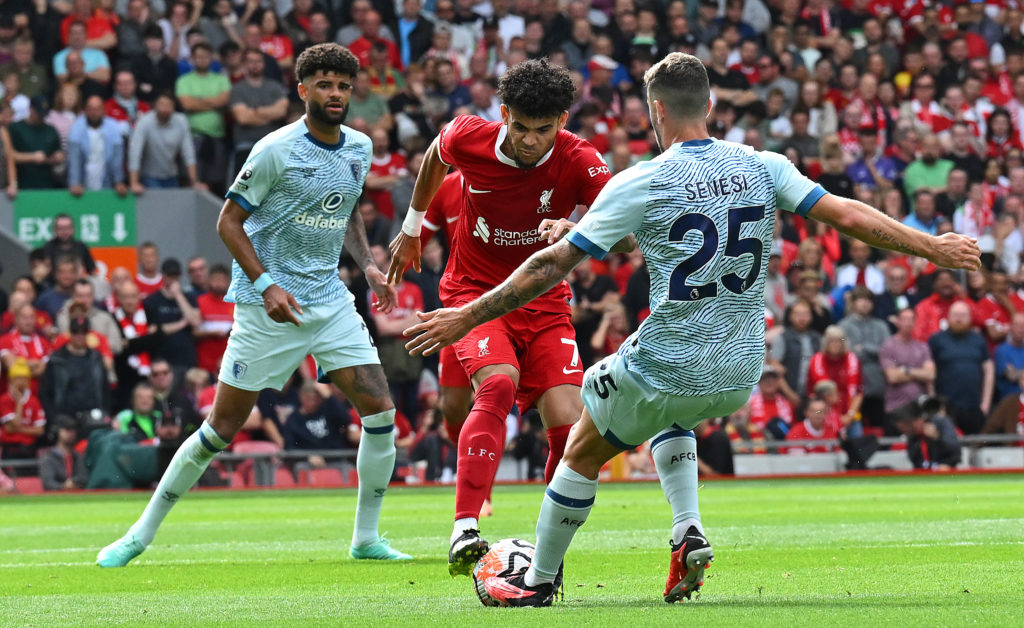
point(675, 456)
point(186, 467)
point(375, 463)
point(567, 503)
point(461, 525)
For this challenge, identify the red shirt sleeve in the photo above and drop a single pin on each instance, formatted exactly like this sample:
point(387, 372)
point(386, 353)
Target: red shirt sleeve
point(450, 144)
point(593, 173)
point(856, 378)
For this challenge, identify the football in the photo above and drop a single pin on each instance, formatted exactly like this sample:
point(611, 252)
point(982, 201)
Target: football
point(505, 558)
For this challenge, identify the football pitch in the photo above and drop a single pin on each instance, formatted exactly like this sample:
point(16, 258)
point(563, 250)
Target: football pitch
point(908, 551)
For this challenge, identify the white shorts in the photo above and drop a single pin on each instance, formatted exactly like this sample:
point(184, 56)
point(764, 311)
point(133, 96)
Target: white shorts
point(263, 353)
point(628, 411)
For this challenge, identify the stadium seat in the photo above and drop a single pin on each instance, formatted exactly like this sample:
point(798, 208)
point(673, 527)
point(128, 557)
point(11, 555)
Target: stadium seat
point(322, 477)
point(283, 477)
point(256, 472)
point(237, 480)
point(28, 485)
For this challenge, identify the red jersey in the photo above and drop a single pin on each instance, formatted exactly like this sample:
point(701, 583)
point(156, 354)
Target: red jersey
point(804, 431)
point(34, 347)
point(763, 410)
point(391, 165)
point(444, 210)
point(844, 371)
point(93, 339)
point(148, 285)
point(31, 413)
point(361, 49)
point(216, 315)
point(408, 301)
point(503, 206)
point(988, 312)
point(43, 322)
point(119, 113)
point(931, 315)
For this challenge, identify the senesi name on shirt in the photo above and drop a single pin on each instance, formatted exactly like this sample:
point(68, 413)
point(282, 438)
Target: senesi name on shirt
point(716, 187)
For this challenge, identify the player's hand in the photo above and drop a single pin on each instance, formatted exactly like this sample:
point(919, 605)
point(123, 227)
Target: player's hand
point(405, 250)
point(554, 230)
point(279, 304)
point(439, 328)
point(954, 250)
point(387, 296)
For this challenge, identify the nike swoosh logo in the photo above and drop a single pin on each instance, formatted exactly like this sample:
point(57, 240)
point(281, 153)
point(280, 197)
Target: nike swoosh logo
point(568, 372)
point(475, 191)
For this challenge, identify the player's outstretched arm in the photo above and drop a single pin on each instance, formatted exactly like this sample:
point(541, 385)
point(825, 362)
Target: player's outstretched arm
point(951, 250)
point(538, 274)
point(276, 300)
point(359, 247)
point(554, 230)
point(405, 248)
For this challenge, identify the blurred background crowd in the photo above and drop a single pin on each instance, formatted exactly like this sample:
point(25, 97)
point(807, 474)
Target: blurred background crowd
point(913, 106)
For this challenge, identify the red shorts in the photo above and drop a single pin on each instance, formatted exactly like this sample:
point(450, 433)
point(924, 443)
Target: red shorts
point(450, 373)
point(540, 345)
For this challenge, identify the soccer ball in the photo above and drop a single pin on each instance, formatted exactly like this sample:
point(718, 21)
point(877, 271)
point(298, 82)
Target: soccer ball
point(505, 558)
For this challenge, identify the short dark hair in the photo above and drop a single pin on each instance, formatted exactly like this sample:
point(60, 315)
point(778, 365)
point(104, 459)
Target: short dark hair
point(82, 281)
point(536, 89)
point(329, 57)
point(202, 46)
point(680, 82)
point(220, 269)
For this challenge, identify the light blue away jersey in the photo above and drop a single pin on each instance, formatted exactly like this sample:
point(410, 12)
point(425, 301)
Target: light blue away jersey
point(703, 214)
point(300, 194)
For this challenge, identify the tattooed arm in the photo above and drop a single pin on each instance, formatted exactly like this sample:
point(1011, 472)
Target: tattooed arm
point(538, 274)
point(866, 223)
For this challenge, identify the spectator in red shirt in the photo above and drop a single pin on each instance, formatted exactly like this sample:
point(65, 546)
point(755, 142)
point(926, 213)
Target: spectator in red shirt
point(814, 426)
point(931, 312)
point(837, 363)
point(386, 168)
point(611, 332)
point(275, 42)
point(993, 313)
point(24, 342)
point(770, 410)
point(99, 27)
point(361, 47)
point(217, 316)
point(22, 420)
point(124, 106)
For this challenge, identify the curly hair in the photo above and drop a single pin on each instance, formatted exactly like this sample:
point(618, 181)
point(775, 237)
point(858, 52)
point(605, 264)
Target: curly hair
point(536, 89)
point(328, 57)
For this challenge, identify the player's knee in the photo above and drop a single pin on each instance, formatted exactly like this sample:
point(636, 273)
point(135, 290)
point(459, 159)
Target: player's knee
point(499, 386)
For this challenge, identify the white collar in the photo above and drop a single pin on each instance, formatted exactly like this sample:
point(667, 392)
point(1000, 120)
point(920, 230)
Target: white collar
point(505, 159)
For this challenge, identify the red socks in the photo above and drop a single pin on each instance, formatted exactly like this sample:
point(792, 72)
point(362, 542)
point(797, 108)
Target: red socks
point(481, 443)
point(556, 447)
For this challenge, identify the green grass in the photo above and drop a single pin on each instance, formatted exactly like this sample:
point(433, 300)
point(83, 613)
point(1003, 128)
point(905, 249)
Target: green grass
point(907, 551)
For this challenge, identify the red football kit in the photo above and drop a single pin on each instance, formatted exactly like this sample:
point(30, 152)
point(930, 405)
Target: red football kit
point(844, 371)
point(216, 315)
point(502, 206)
point(32, 416)
point(497, 231)
point(34, 347)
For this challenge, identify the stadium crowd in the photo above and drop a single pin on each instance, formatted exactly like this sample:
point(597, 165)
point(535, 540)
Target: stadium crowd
point(914, 107)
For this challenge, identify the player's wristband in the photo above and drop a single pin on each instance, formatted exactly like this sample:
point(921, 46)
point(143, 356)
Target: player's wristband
point(413, 222)
point(263, 282)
